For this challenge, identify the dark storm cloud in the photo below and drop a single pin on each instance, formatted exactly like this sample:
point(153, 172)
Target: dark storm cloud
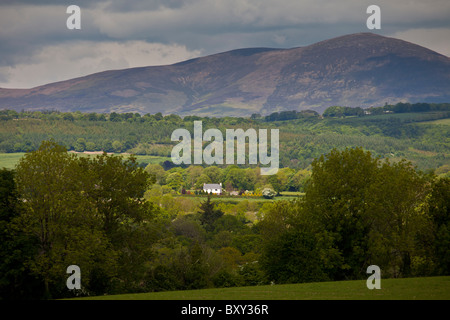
point(180, 28)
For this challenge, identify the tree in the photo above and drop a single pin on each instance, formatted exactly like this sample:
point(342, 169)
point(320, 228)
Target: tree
point(292, 251)
point(241, 178)
point(80, 145)
point(157, 171)
point(196, 273)
point(68, 116)
point(293, 257)
point(115, 117)
point(16, 279)
point(439, 211)
point(350, 198)
point(192, 174)
point(338, 195)
point(90, 146)
point(275, 183)
point(334, 111)
point(85, 211)
point(202, 180)
point(92, 116)
point(175, 181)
point(214, 173)
point(298, 181)
point(209, 214)
point(398, 219)
point(57, 215)
point(116, 188)
point(350, 218)
point(117, 146)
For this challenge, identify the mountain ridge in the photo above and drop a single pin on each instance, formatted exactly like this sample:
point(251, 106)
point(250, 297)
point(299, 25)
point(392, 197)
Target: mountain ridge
point(362, 69)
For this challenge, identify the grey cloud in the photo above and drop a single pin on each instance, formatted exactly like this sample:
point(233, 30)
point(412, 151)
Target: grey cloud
point(209, 26)
point(26, 30)
point(144, 5)
point(84, 3)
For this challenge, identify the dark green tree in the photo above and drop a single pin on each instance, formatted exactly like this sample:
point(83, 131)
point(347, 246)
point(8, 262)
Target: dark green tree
point(439, 210)
point(293, 257)
point(209, 214)
point(370, 208)
point(338, 196)
point(116, 187)
point(85, 211)
point(16, 279)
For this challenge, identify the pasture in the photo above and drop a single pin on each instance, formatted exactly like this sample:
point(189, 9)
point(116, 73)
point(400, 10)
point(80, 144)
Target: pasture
point(9, 160)
point(424, 288)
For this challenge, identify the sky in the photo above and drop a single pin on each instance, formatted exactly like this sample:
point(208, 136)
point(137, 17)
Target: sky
point(37, 48)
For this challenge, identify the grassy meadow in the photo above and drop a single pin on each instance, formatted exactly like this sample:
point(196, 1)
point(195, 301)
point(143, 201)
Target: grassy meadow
point(9, 160)
point(424, 288)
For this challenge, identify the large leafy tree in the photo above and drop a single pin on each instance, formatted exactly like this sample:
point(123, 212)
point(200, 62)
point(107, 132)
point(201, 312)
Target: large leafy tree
point(84, 211)
point(370, 207)
point(397, 217)
point(359, 211)
point(57, 213)
point(338, 196)
point(116, 187)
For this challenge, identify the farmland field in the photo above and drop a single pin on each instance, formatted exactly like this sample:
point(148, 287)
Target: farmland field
point(440, 121)
point(425, 288)
point(9, 160)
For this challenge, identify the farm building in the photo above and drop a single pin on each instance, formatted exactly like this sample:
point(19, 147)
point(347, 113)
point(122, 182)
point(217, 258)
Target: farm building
point(213, 188)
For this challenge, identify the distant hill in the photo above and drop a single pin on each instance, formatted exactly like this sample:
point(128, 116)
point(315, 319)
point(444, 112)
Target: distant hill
point(361, 69)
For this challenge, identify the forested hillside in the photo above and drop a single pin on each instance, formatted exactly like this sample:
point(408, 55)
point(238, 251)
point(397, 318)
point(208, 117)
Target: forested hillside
point(417, 132)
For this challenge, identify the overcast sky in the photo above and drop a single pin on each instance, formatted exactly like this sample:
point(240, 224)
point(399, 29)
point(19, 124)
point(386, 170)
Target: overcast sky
point(36, 47)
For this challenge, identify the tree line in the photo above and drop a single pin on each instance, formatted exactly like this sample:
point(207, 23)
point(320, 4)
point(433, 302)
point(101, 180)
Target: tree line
point(401, 107)
point(233, 178)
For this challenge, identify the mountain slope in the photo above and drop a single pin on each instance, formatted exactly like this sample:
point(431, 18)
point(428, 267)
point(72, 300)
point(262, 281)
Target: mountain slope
point(354, 70)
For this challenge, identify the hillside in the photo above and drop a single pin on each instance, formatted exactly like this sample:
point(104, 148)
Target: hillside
point(362, 69)
point(420, 137)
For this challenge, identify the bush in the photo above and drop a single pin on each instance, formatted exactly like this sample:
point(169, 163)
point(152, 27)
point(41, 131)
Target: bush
point(268, 193)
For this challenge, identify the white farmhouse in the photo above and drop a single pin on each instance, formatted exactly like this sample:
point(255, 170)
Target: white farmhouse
point(213, 188)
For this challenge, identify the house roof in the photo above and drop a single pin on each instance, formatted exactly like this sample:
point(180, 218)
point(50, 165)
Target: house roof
point(212, 186)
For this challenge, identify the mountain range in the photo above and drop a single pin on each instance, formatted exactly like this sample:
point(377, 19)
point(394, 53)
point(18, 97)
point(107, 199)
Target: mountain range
point(362, 69)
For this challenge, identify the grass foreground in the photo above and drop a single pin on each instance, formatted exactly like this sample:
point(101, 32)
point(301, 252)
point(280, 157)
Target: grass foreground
point(426, 288)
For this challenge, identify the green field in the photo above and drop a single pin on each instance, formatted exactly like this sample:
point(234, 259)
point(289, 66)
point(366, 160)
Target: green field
point(427, 288)
point(9, 160)
point(440, 121)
